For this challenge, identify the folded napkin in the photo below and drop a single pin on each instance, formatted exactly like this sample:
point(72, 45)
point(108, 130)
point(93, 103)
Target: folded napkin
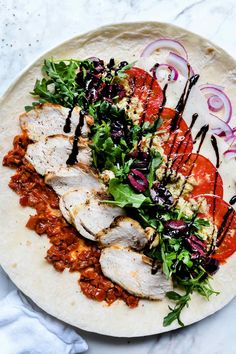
point(24, 329)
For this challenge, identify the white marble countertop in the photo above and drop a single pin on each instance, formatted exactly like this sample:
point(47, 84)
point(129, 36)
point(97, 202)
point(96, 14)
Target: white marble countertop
point(28, 28)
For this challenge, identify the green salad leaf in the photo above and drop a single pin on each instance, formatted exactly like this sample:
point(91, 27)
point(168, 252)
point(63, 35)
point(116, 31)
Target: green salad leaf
point(156, 161)
point(124, 195)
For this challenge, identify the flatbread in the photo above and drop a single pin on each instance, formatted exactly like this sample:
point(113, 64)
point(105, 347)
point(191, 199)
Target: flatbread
point(22, 251)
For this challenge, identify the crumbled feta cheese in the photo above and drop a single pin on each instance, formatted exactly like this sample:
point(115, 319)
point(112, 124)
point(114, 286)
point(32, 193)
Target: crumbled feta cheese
point(184, 207)
point(208, 233)
point(133, 107)
point(106, 176)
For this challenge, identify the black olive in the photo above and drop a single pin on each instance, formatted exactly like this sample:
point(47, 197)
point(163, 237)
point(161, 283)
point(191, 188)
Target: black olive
point(117, 131)
point(182, 271)
point(211, 265)
point(141, 160)
point(176, 228)
point(195, 246)
point(161, 196)
point(138, 181)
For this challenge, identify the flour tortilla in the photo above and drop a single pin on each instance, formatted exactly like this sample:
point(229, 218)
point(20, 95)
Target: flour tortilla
point(22, 251)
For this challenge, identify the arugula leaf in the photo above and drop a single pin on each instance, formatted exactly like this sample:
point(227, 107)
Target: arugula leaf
point(195, 284)
point(166, 262)
point(185, 257)
point(173, 295)
point(156, 161)
point(147, 127)
point(121, 72)
point(181, 302)
point(58, 85)
point(124, 195)
point(198, 223)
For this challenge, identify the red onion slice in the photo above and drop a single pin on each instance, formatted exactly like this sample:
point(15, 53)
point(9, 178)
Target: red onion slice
point(230, 138)
point(164, 43)
point(230, 154)
point(219, 127)
point(215, 103)
point(181, 64)
point(214, 90)
point(167, 69)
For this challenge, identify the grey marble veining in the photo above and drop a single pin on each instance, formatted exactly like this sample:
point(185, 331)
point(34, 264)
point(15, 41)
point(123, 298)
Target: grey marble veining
point(28, 28)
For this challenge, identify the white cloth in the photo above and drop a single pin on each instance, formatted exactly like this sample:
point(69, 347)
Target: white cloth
point(24, 329)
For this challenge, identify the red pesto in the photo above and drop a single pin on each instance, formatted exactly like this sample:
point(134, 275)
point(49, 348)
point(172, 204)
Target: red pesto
point(68, 249)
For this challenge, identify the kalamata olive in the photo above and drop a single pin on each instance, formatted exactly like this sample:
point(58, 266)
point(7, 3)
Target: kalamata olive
point(211, 265)
point(182, 271)
point(98, 65)
point(161, 196)
point(196, 247)
point(137, 180)
point(178, 225)
point(114, 90)
point(176, 228)
point(117, 131)
point(141, 161)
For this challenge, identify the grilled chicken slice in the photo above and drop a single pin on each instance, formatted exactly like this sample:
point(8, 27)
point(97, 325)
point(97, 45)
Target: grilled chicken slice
point(128, 269)
point(125, 232)
point(49, 119)
point(70, 200)
point(67, 178)
point(50, 154)
point(87, 213)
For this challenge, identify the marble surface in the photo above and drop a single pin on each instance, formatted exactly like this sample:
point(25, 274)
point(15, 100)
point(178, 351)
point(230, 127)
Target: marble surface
point(28, 28)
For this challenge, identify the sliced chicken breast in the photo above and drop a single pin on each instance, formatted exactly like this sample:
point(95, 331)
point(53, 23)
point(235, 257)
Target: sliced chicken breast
point(87, 213)
point(125, 232)
point(49, 119)
point(51, 154)
point(67, 178)
point(127, 268)
point(70, 199)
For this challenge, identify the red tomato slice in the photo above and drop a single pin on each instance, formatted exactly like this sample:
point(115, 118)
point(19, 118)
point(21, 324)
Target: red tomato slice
point(148, 91)
point(180, 140)
point(218, 210)
point(208, 179)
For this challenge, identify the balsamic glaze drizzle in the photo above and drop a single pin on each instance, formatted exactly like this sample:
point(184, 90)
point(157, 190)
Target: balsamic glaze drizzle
point(67, 126)
point(224, 227)
point(163, 100)
point(194, 118)
point(232, 200)
point(215, 147)
point(183, 100)
point(72, 159)
point(201, 134)
point(175, 121)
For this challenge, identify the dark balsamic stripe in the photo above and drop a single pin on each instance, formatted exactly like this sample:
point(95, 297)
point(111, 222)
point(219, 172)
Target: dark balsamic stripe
point(204, 131)
point(183, 100)
point(179, 110)
point(216, 150)
point(72, 159)
point(224, 228)
point(215, 147)
point(232, 200)
point(174, 173)
point(67, 126)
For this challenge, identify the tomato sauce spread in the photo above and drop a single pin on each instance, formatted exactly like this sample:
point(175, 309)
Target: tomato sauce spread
point(68, 249)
